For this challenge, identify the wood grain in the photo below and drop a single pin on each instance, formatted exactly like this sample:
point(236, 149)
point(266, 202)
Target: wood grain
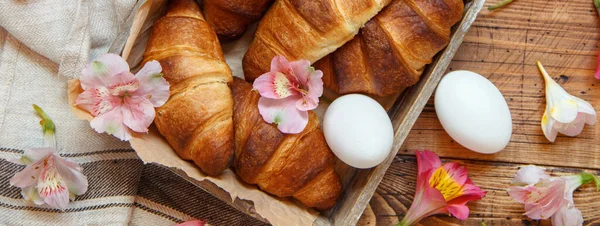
point(503, 46)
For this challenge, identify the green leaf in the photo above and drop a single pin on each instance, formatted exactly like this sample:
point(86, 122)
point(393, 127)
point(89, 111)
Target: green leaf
point(597, 4)
point(48, 127)
point(503, 3)
point(588, 177)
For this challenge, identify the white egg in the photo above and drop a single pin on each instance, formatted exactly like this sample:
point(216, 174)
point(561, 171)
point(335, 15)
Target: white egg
point(358, 130)
point(473, 112)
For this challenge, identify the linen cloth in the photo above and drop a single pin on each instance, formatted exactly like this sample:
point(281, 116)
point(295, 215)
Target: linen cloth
point(43, 43)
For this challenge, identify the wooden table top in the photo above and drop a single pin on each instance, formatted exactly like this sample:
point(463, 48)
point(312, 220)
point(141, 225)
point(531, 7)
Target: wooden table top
point(503, 46)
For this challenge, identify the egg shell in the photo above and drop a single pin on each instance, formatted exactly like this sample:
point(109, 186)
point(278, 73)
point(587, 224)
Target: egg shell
point(473, 112)
point(358, 130)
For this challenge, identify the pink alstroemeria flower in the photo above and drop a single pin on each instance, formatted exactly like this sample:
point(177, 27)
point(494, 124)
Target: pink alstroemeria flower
point(118, 100)
point(440, 189)
point(192, 223)
point(546, 196)
point(288, 92)
point(597, 75)
point(48, 178)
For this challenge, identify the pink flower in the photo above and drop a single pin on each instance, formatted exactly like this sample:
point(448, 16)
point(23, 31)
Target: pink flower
point(120, 101)
point(192, 223)
point(546, 196)
point(597, 75)
point(441, 189)
point(288, 92)
point(48, 178)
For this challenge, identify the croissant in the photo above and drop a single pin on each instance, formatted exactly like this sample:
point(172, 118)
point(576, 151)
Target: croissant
point(197, 119)
point(298, 165)
point(306, 29)
point(230, 18)
point(392, 49)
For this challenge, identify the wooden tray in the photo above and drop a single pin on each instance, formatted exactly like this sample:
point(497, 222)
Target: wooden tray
point(403, 113)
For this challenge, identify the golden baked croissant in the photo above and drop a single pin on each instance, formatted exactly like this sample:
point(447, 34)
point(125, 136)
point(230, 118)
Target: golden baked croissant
point(391, 50)
point(197, 119)
point(306, 29)
point(298, 165)
point(230, 18)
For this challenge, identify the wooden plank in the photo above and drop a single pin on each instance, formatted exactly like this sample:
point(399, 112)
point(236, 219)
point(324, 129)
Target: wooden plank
point(395, 194)
point(503, 46)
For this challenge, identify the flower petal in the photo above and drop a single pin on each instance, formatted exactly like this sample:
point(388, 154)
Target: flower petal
point(567, 216)
point(31, 194)
point(573, 128)
point(426, 161)
point(152, 84)
point(560, 106)
point(76, 182)
point(28, 176)
point(96, 100)
point(315, 84)
point(100, 71)
point(459, 211)
point(138, 113)
point(529, 175)
point(548, 127)
point(274, 85)
point(307, 103)
point(192, 223)
point(37, 154)
point(587, 109)
point(548, 200)
point(457, 172)
point(302, 70)
point(597, 75)
point(51, 186)
point(283, 113)
point(112, 123)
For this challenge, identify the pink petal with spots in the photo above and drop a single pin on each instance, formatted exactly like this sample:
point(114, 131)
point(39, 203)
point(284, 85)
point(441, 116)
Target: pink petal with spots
point(274, 85)
point(282, 65)
point(307, 103)
point(96, 100)
point(283, 113)
point(28, 176)
point(153, 84)
point(100, 71)
point(138, 113)
point(597, 75)
point(192, 223)
point(112, 123)
point(124, 84)
point(51, 186)
point(457, 172)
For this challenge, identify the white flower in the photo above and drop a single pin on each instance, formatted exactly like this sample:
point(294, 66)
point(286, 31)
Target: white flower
point(48, 178)
point(564, 113)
